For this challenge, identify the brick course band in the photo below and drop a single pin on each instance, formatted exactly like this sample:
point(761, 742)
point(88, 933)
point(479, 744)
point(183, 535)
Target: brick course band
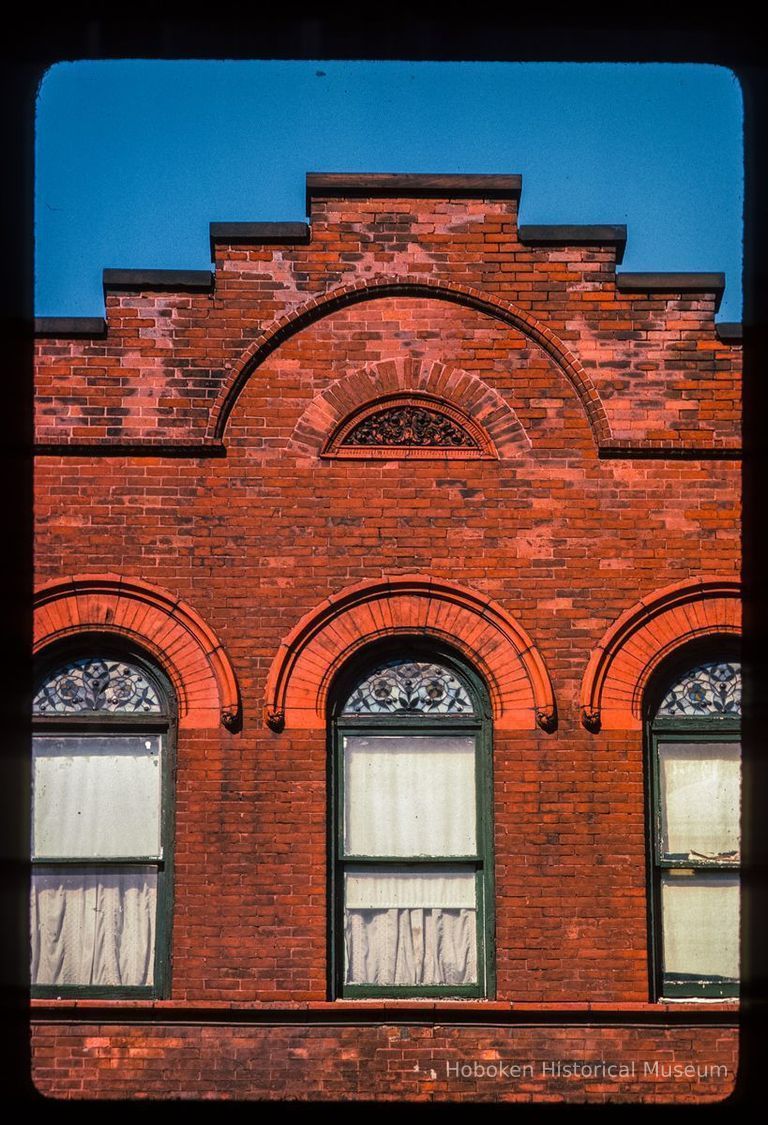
point(428, 1062)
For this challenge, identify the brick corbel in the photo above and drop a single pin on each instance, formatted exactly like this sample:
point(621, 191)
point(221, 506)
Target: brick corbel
point(408, 605)
point(157, 621)
point(635, 645)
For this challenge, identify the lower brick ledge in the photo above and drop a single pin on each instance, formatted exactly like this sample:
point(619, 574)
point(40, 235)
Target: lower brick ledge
point(722, 1011)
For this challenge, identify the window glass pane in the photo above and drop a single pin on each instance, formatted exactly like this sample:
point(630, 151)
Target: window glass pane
point(701, 924)
point(410, 928)
point(94, 927)
point(96, 795)
point(700, 789)
point(411, 795)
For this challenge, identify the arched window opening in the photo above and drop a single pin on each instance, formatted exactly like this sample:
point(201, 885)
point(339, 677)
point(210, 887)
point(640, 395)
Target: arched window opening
point(695, 798)
point(101, 826)
point(412, 870)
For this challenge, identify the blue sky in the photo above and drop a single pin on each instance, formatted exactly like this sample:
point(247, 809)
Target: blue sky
point(134, 157)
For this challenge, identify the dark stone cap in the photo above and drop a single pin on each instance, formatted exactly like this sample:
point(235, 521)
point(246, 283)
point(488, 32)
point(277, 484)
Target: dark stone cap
point(576, 235)
point(61, 326)
point(258, 232)
point(197, 280)
point(672, 283)
point(730, 332)
point(396, 185)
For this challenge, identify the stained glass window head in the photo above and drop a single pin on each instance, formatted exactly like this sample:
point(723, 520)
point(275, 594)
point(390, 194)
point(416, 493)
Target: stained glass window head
point(404, 686)
point(96, 684)
point(709, 689)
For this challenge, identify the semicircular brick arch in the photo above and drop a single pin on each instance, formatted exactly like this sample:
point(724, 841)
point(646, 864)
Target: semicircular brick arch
point(484, 407)
point(408, 605)
point(156, 620)
point(372, 288)
point(635, 645)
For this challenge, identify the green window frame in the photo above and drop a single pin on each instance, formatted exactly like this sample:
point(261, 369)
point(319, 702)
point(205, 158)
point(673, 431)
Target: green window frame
point(709, 733)
point(110, 727)
point(406, 725)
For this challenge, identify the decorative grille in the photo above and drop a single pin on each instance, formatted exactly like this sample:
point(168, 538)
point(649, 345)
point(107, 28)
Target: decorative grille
point(410, 426)
point(709, 689)
point(96, 684)
point(409, 687)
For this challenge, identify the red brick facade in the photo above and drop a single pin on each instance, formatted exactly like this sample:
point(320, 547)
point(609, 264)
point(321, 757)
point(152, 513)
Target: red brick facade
point(188, 498)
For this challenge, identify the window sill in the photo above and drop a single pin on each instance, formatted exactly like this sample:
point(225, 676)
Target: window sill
point(670, 1000)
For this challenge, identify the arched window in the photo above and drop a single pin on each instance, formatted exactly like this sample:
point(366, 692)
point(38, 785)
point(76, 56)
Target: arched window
point(412, 872)
point(101, 826)
point(695, 788)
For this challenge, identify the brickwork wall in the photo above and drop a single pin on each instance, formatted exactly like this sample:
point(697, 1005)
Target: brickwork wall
point(388, 1063)
point(660, 371)
point(564, 540)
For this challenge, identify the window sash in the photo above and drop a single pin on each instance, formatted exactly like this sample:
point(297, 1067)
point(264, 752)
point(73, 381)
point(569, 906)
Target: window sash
point(94, 926)
point(479, 861)
point(699, 799)
point(409, 795)
point(409, 927)
point(161, 863)
point(700, 930)
point(97, 795)
point(665, 867)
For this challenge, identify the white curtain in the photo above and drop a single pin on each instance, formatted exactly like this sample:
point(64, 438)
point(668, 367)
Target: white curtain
point(701, 786)
point(409, 795)
point(96, 795)
point(95, 927)
point(701, 924)
point(408, 927)
point(411, 946)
